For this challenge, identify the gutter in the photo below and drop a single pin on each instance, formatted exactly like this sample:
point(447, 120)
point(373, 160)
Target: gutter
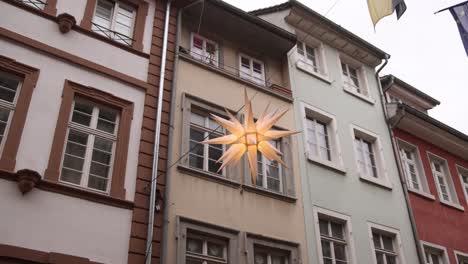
point(157, 138)
point(398, 161)
point(165, 222)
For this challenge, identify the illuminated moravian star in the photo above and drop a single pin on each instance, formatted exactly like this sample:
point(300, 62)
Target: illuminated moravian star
point(250, 137)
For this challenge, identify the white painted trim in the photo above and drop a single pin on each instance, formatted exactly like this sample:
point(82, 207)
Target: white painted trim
point(465, 191)
point(448, 177)
point(350, 248)
point(203, 56)
point(436, 247)
point(336, 162)
point(460, 254)
point(420, 167)
point(386, 229)
point(382, 178)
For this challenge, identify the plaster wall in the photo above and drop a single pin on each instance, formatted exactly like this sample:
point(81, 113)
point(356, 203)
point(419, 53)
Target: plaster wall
point(223, 205)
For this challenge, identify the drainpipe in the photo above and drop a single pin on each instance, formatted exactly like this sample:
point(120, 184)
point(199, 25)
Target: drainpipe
point(157, 138)
point(165, 222)
point(398, 162)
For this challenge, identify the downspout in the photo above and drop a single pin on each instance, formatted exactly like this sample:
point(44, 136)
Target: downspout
point(398, 161)
point(157, 138)
point(165, 222)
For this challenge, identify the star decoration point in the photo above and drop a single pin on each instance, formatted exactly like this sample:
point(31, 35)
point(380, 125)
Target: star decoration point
point(250, 137)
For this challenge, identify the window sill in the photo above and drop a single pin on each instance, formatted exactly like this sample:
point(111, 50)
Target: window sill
point(380, 183)
point(327, 164)
point(454, 205)
point(300, 65)
point(360, 96)
point(208, 176)
point(422, 194)
point(276, 195)
point(219, 70)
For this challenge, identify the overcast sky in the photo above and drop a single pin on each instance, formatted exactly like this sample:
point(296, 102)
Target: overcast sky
point(426, 49)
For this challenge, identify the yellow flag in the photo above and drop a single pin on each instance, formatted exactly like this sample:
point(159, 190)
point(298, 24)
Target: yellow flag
point(379, 9)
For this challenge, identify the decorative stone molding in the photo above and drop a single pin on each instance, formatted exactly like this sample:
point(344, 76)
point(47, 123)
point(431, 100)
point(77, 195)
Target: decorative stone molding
point(27, 180)
point(65, 22)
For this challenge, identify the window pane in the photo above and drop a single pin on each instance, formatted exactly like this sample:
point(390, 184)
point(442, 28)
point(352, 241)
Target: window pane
point(97, 183)
point(106, 120)
point(344, 68)
point(300, 49)
point(245, 62)
point(101, 156)
point(260, 258)
point(8, 87)
point(340, 251)
point(103, 13)
point(380, 258)
point(99, 169)
point(376, 238)
point(387, 243)
point(278, 260)
point(70, 176)
point(124, 20)
point(103, 144)
point(197, 119)
point(323, 225)
point(210, 48)
point(75, 149)
point(194, 245)
point(72, 162)
point(257, 67)
point(326, 249)
point(4, 115)
point(337, 230)
point(197, 42)
point(82, 113)
point(390, 259)
point(215, 250)
point(273, 184)
point(194, 261)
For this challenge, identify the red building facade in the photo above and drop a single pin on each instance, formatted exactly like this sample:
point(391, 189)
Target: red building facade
point(434, 159)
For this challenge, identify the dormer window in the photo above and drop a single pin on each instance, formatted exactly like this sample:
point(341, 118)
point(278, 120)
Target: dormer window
point(204, 50)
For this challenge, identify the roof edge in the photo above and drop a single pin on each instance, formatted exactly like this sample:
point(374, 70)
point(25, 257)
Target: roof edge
point(411, 88)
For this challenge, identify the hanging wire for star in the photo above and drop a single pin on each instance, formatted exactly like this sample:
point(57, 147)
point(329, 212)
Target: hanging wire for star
point(250, 137)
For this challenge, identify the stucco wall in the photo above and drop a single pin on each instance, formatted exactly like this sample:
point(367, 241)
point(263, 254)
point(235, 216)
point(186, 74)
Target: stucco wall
point(347, 193)
point(438, 223)
point(219, 204)
point(46, 31)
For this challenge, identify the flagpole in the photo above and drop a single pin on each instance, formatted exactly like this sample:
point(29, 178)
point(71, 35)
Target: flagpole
point(462, 3)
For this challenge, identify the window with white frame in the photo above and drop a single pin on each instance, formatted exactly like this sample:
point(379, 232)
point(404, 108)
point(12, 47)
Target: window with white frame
point(204, 50)
point(114, 20)
point(353, 78)
point(434, 254)
point(265, 255)
point(443, 180)
point(462, 258)
point(90, 146)
point(38, 4)
point(204, 156)
point(309, 56)
point(333, 240)
point(321, 136)
point(386, 244)
point(10, 86)
point(369, 156)
point(251, 69)
point(412, 168)
point(464, 180)
point(270, 171)
point(203, 249)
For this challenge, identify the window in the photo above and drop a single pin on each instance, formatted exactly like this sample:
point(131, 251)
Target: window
point(90, 146)
point(38, 4)
point(202, 243)
point(114, 20)
point(333, 232)
point(269, 171)
point(369, 157)
point(354, 80)
point(264, 250)
point(204, 156)
point(17, 82)
point(333, 242)
point(263, 255)
point(10, 86)
point(412, 168)
point(434, 254)
point(309, 56)
point(443, 181)
point(463, 173)
point(462, 258)
point(251, 69)
point(204, 50)
point(386, 245)
point(366, 157)
point(322, 144)
point(205, 250)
